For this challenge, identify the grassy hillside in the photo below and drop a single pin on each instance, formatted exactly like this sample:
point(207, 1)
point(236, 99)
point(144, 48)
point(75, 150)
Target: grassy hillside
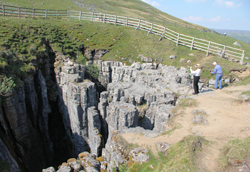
point(129, 8)
point(241, 36)
point(67, 36)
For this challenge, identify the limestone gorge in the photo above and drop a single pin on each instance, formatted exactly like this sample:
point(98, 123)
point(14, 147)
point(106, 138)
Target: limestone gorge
point(60, 111)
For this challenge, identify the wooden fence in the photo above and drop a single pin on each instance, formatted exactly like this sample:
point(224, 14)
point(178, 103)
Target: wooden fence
point(163, 32)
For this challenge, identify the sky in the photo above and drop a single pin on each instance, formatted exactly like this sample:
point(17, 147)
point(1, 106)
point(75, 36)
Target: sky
point(213, 14)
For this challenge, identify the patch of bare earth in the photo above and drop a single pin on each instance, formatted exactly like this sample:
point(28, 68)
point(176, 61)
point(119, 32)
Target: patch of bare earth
point(227, 119)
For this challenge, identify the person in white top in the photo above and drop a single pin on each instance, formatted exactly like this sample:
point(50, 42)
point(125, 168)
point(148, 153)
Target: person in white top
point(196, 74)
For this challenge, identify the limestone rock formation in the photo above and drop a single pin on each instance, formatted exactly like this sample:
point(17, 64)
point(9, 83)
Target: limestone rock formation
point(139, 155)
point(94, 130)
point(75, 96)
point(25, 117)
point(134, 98)
point(121, 115)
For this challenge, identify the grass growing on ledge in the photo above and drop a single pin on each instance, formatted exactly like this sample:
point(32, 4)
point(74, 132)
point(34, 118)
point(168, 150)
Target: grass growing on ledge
point(247, 93)
point(188, 103)
point(234, 153)
point(169, 132)
point(125, 146)
point(181, 157)
point(144, 167)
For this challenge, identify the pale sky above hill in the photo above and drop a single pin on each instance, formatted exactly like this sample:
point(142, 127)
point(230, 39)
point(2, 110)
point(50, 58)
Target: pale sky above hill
point(213, 14)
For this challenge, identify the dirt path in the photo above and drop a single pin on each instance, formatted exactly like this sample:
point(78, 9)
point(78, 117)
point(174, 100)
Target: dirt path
point(227, 119)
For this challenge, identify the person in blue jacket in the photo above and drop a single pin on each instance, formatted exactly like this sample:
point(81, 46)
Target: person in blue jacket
point(218, 71)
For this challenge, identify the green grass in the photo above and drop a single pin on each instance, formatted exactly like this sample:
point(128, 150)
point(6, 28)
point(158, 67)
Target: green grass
point(234, 153)
point(247, 93)
point(188, 103)
point(21, 40)
point(144, 167)
point(181, 157)
point(245, 37)
point(129, 8)
point(243, 81)
point(45, 4)
point(169, 132)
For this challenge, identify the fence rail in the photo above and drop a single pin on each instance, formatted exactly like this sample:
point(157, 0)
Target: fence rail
point(180, 39)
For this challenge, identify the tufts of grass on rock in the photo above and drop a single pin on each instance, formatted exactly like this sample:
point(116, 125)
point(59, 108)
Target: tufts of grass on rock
point(235, 153)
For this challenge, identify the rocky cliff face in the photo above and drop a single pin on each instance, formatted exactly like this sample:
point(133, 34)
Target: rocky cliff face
point(136, 97)
point(27, 126)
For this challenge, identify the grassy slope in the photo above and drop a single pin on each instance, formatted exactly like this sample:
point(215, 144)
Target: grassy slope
point(181, 157)
point(241, 36)
point(123, 42)
point(129, 8)
point(235, 153)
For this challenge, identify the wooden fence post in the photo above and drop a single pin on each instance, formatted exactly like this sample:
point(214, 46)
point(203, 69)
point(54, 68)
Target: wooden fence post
point(192, 44)
point(150, 29)
point(223, 51)
point(80, 17)
point(115, 19)
point(46, 14)
point(3, 11)
point(104, 18)
point(138, 27)
point(177, 42)
point(56, 14)
point(163, 34)
point(19, 13)
point(126, 21)
point(242, 57)
point(33, 12)
point(92, 16)
point(208, 48)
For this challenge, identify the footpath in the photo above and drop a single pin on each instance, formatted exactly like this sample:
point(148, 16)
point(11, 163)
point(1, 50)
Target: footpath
point(228, 118)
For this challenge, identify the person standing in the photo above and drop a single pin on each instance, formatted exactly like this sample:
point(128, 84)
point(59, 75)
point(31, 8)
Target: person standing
point(218, 71)
point(196, 74)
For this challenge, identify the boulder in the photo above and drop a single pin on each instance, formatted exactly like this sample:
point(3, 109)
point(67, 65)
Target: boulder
point(199, 111)
point(50, 169)
point(145, 59)
point(75, 165)
point(163, 147)
point(173, 57)
point(198, 119)
point(139, 155)
point(182, 60)
point(64, 168)
point(211, 82)
point(228, 80)
point(238, 44)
